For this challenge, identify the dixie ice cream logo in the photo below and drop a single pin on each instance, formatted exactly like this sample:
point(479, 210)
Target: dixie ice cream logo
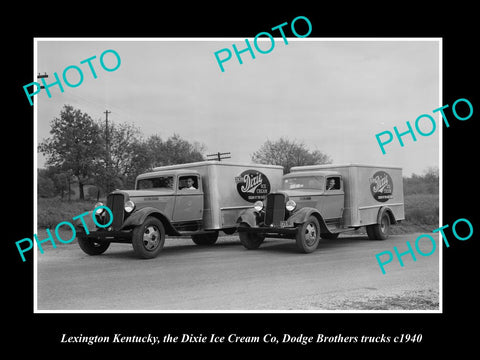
point(252, 185)
point(381, 186)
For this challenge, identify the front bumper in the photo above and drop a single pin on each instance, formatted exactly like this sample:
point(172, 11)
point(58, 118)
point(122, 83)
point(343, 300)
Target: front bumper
point(102, 236)
point(269, 230)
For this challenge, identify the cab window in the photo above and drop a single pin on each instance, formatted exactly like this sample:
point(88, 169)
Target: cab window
point(333, 183)
point(189, 182)
point(159, 182)
point(303, 182)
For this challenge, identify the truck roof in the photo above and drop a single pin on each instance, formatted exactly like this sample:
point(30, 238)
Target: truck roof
point(192, 168)
point(214, 163)
point(166, 172)
point(332, 166)
point(312, 173)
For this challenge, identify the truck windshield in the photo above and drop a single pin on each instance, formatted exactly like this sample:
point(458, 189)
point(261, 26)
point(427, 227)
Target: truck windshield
point(303, 182)
point(159, 182)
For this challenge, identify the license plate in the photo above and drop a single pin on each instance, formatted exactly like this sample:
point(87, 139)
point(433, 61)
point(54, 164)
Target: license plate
point(283, 224)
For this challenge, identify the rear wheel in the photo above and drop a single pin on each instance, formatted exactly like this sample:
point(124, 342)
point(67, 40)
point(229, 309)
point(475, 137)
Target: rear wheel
point(308, 235)
point(250, 240)
point(148, 239)
point(205, 239)
point(379, 231)
point(90, 246)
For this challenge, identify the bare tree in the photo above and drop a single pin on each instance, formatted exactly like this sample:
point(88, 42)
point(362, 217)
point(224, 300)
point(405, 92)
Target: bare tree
point(288, 153)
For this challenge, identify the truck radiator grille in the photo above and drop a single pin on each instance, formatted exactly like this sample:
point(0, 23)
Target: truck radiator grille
point(275, 209)
point(115, 203)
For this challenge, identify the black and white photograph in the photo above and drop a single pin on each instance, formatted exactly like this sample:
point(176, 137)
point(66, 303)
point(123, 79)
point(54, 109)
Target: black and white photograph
point(259, 144)
point(234, 181)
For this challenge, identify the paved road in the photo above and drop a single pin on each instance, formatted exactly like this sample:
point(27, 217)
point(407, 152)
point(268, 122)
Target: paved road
point(341, 274)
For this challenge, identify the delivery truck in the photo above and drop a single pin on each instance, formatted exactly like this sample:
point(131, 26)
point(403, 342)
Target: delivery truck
point(322, 201)
point(196, 199)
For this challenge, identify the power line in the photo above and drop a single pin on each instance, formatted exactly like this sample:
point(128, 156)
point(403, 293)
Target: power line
point(219, 157)
point(40, 77)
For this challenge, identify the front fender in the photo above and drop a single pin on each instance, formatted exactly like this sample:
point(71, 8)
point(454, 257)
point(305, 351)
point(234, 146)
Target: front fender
point(85, 222)
point(248, 216)
point(139, 216)
point(301, 215)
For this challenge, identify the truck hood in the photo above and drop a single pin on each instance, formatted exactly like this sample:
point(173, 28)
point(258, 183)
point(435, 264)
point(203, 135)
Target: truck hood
point(145, 193)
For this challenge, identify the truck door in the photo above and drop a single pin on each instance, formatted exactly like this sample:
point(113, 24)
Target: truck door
point(332, 204)
point(189, 199)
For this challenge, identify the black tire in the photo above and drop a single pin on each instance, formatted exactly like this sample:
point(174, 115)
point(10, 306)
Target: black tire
point(229, 231)
point(148, 239)
point(250, 240)
point(205, 239)
point(90, 246)
point(379, 231)
point(329, 236)
point(308, 235)
point(370, 233)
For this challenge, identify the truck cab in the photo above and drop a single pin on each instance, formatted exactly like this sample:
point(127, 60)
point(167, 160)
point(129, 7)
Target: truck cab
point(162, 203)
point(178, 195)
point(322, 190)
point(321, 202)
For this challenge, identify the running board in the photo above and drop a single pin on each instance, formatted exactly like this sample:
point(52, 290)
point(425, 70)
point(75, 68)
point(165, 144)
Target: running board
point(199, 232)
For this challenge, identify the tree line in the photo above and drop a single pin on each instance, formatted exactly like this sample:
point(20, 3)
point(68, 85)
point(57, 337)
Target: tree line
point(428, 183)
point(85, 151)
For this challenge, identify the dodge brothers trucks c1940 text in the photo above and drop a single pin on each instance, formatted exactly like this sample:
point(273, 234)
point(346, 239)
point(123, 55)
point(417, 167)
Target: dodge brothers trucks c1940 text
point(323, 201)
point(197, 199)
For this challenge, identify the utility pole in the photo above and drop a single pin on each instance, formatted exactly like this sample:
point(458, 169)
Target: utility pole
point(107, 145)
point(107, 148)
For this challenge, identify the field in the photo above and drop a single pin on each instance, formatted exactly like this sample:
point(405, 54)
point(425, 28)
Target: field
point(51, 211)
point(421, 212)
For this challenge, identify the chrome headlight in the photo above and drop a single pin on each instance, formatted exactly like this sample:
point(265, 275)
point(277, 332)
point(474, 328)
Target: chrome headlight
point(290, 205)
point(98, 211)
point(129, 206)
point(258, 206)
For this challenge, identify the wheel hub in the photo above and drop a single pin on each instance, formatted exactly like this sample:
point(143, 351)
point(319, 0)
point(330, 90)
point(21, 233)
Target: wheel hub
point(310, 234)
point(151, 238)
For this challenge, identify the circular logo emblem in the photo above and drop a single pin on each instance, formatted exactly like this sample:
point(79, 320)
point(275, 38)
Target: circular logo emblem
point(381, 186)
point(252, 185)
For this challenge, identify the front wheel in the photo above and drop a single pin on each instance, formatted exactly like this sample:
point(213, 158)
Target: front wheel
point(379, 231)
point(250, 240)
point(90, 246)
point(308, 235)
point(148, 239)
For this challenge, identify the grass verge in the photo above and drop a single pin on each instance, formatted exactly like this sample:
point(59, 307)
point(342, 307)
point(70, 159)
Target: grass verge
point(52, 211)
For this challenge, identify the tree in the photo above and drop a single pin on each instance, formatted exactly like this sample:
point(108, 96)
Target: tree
point(125, 159)
point(74, 145)
point(288, 153)
point(174, 150)
point(45, 184)
point(426, 184)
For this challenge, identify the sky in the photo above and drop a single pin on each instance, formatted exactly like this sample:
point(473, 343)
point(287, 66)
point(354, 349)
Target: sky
point(334, 95)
